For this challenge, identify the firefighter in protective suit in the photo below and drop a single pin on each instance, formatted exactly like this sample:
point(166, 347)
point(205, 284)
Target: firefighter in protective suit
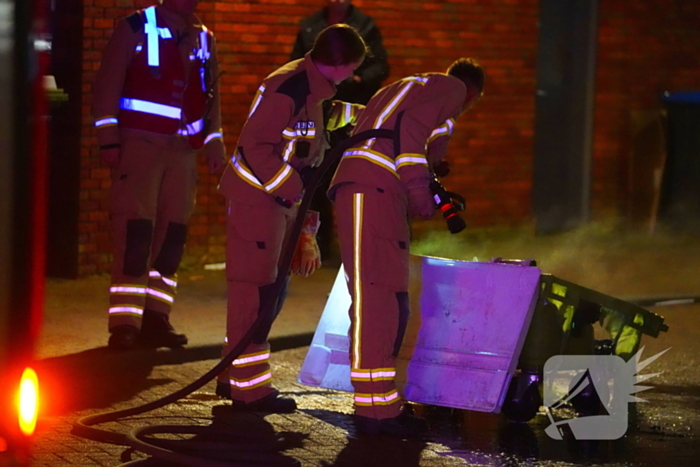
point(280, 143)
point(378, 186)
point(156, 104)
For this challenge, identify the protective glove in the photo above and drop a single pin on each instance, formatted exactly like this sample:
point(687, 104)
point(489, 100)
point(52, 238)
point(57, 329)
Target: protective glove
point(420, 199)
point(307, 256)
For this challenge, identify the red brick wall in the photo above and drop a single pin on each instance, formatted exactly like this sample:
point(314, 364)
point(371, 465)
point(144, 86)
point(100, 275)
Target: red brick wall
point(645, 48)
point(256, 37)
point(491, 152)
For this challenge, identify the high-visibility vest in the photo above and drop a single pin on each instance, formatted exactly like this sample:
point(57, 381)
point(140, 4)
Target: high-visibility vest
point(157, 97)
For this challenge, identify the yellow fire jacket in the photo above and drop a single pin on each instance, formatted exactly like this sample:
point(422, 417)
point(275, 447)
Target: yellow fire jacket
point(422, 110)
point(285, 132)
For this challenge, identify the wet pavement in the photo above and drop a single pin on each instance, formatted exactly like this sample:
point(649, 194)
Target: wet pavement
point(81, 377)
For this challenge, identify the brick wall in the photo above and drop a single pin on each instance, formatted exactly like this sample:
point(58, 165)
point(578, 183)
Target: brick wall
point(645, 48)
point(491, 152)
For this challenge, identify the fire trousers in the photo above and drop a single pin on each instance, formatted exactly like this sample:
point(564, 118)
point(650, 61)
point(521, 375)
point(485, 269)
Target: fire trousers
point(255, 236)
point(374, 238)
point(152, 198)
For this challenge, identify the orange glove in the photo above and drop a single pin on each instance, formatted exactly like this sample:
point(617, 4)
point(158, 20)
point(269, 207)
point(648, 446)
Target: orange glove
point(307, 257)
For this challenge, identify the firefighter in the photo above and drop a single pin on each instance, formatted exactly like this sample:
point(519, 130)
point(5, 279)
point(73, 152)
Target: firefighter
point(280, 143)
point(379, 185)
point(156, 104)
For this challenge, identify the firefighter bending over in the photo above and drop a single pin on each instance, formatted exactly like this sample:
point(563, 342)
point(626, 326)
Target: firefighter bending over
point(378, 186)
point(283, 138)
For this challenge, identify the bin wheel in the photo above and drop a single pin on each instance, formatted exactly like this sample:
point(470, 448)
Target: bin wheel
point(523, 399)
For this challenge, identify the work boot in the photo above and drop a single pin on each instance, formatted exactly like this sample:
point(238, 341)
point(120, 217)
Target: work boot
point(272, 403)
point(156, 331)
point(123, 337)
point(223, 390)
point(404, 425)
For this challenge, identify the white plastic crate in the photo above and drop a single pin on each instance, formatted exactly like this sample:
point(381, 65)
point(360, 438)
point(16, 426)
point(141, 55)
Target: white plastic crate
point(467, 328)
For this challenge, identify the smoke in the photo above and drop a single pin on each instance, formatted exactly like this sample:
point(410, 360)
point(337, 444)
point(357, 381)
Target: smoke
point(604, 256)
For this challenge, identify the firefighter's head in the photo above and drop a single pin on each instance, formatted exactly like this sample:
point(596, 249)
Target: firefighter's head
point(184, 7)
point(338, 51)
point(471, 74)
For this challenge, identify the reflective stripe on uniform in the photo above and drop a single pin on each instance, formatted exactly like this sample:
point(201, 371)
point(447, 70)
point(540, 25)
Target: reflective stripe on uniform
point(389, 109)
point(244, 173)
point(160, 295)
point(289, 150)
point(106, 121)
point(203, 52)
point(445, 129)
point(192, 128)
point(372, 156)
point(376, 374)
point(170, 282)
point(151, 29)
point(376, 399)
point(358, 200)
point(251, 359)
point(419, 79)
point(252, 383)
point(394, 103)
point(290, 133)
point(281, 177)
point(127, 290)
point(213, 136)
point(126, 310)
point(256, 100)
point(410, 159)
point(153, 108)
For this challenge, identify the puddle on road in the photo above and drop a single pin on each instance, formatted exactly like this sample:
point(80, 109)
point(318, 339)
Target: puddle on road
point(659, 437)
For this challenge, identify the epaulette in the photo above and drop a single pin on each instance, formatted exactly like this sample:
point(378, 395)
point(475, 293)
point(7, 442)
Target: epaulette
point(297, 87)
point(136, 21)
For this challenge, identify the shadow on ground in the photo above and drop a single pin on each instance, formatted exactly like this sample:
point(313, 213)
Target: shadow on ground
point(99, 378)
point(370, 451)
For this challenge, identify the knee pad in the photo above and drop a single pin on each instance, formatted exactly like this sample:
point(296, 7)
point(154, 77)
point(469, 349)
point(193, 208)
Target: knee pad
point(170, 253)
point(139, 235)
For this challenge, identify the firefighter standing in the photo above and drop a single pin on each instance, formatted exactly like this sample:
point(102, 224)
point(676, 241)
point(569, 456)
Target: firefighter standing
point(155, 103)
point(284, 136)
point(378, 186)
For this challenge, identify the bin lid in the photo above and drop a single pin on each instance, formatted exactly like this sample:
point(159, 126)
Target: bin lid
point(689, 97)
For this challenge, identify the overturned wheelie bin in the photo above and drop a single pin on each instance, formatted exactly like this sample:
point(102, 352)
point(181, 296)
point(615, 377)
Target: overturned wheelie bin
point(480, 333)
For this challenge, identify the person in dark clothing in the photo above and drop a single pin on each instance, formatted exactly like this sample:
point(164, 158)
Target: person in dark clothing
point(358, 89)
point(369, 77)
